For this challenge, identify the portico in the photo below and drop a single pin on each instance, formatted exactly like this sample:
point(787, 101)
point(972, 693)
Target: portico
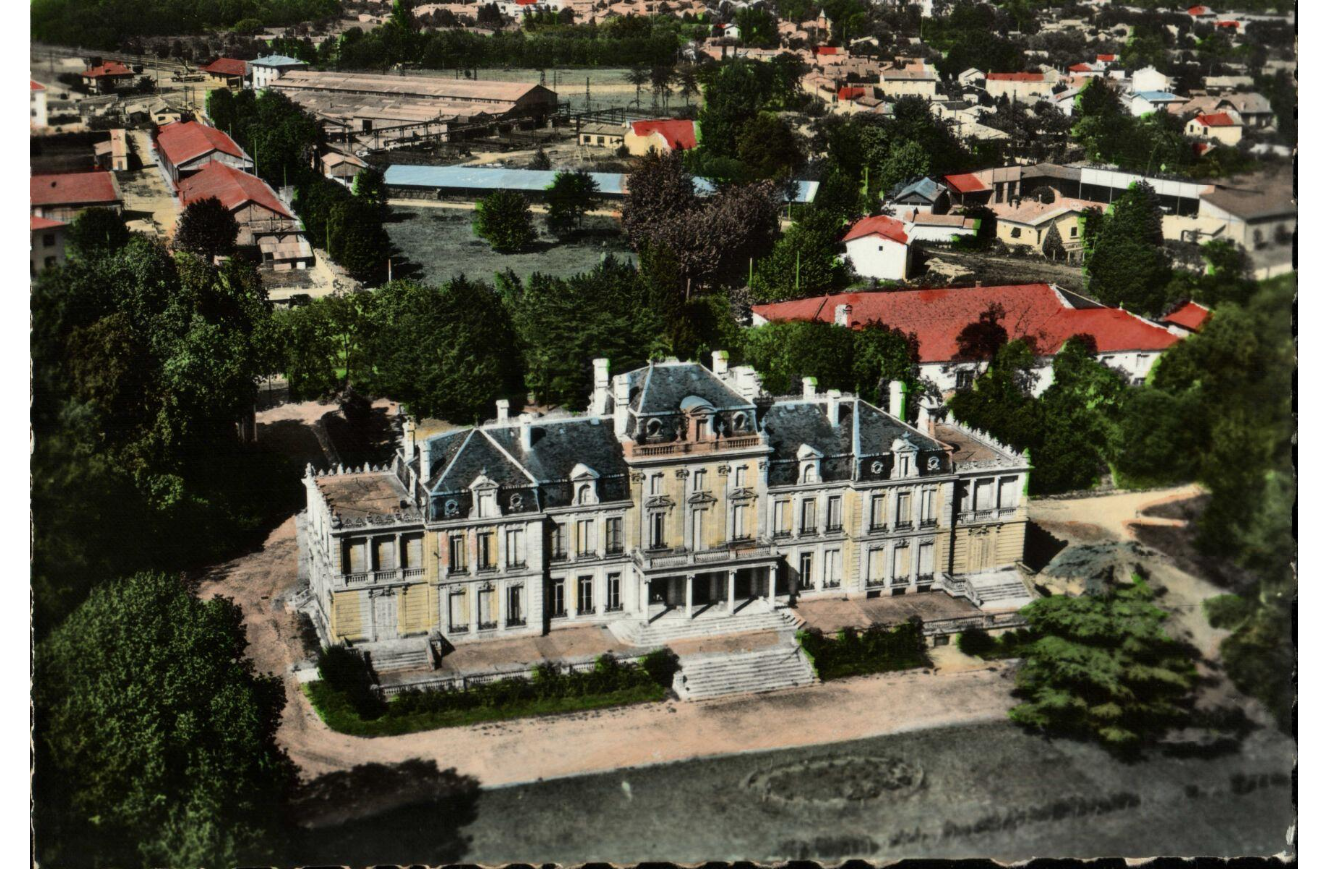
point(687, 595)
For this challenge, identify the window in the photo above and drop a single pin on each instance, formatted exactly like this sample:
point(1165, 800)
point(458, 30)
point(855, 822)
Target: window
point(926, 560)
point(584, 537)
point(585, 594)
point(1073, 231)
point(656, 484)
point(875, 565)
point(558, 593)
point(48, 240)
point(614, 593)
point(50, 262)
point(488, 619)
point(488, 504)
point(928, 506)
point(698, 481)
point(739, 522)
point(356, 557)
point(515, 614)
point(739, 477)
point(902, 561)
point(656, 530)
point(557, 540)
point(601, 140)
point(613, 535)
point(877, 511)
point(458, 611)
point(833, 568)
point(484, 550)
point(698, 529)
point(412, 551)
point(904, 466)
point(808, 516)
point(515, 547)
point(809, 473)
point(983, 495)
point(585, 494)
point(804, 578)
point(456, 554)
point(1016, 232)
point(835, 522)
point(1008, 493)
point(782, 517)
point(963, 378)
point(903, 515)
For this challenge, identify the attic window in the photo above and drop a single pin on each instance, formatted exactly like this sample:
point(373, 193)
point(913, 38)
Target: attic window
point(488, 504)
point(585, 494)
point(653, 427)
point(739, 421)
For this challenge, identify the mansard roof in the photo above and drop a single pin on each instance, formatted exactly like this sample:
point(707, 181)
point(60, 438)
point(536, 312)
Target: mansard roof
point(660, 388)
point(863, 429)
point(557, 447)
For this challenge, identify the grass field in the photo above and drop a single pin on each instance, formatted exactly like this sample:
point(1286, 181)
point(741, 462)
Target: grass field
point(988, 790)
point(441, 243)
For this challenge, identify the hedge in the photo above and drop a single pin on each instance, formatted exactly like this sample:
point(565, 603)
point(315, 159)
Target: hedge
point(980, 644)
point(877, 649)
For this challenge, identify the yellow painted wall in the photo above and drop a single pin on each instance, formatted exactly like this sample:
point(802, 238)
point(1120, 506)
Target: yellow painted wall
point(416, 609)
point(349, 620)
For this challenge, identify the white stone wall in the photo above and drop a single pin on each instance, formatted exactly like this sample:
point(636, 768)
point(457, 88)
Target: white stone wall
point(876, 257)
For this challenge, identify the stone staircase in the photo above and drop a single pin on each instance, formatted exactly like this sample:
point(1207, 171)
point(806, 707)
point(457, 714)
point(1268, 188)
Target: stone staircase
point(388, 655)
point(1000, 589)
point(702, 677)
point(755, 616)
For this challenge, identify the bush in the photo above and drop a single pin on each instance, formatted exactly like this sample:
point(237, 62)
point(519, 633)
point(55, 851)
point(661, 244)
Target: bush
point(877, 649)
point(1227, 611)
point(503, 219)
point(980, 644)
point(975, 642)
point(662, 665)
point(348, 673)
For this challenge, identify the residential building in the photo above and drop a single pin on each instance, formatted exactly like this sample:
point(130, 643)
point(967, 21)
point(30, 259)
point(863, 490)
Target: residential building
point(108, 76)
point(112, 154)
point(342, 166)
point(226, 72)
point(1222, 127)
point(1028, 225)
point(1146, 102)
point(63, 197)
point(878, 247)
point(1257, 212)
point(185, 148)
point(47, 244)
point(681, 489)
point(37, 117)
point(921, 193)
point(1023, 87)
point(597, 135)
point(265, 221)
point(1045, 314)
point(265, 70)
point(1149, 79)
point(664, 135)
point(910, 81)
point(162, 113)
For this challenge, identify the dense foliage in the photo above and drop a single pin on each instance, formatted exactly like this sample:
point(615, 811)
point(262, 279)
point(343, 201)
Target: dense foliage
point(96, 231)
point(155, 739)
point(207, 229)
point(569, 197)
point(877, 649)
point(107, 25)
point(805, 260)
point(503, 219)
point(1103, 667)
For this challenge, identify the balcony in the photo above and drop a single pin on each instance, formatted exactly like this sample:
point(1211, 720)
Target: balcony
point(988, 515)
point(899, 582)
point(682, 448)
point(734, 553)
point(488, 626)
point(558, 556)
point(394, 574)
point(902, 526)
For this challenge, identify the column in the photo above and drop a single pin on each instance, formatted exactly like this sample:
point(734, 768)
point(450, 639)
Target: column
point(472, 603)
point(642, 596)
point(400, 560)
point(732, 589)
point(773, 578)
point(691, 578)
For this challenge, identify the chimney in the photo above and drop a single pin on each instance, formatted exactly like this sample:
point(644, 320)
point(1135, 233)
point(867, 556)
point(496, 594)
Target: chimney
point(408, 439)
point(621, 401)
point(504, 409)
point(808, 387)
point(833, 407)
point(526, 419)
point(599, 397)
point(896, 399)
point(719, 365)
point(842, 315)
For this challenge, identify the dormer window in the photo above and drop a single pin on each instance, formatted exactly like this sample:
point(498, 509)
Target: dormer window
point(905, 457)
point(808, 458)
point(485, 493)
point(488, 504)
point(584, 494)
point(739, 421)
point(584, 481)
point(808, 473)
point(653, 428)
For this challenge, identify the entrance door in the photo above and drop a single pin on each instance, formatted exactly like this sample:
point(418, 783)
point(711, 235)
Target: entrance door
point(384, 616)
point(979, 554)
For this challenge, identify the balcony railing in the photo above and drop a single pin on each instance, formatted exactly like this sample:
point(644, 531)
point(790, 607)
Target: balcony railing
point(488, 626)
point(987, 515)
point(394, 574)
point(734, 552)
point(903, 526)
point(515, 623)
point(928, 523)
point(678, 448)
point(900, 581)
point(355, 578)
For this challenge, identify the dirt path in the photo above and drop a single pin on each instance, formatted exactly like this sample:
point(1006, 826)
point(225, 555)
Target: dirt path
point(1110, 516)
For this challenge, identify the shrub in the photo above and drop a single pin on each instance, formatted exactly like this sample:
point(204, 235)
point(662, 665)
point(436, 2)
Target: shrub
point(503, 219)
point(976, 642)
point(1227, 611)
point(661, 665)
point(348, 673)
point(877, 649)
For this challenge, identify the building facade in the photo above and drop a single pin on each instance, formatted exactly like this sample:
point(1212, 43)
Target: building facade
point(682, 489)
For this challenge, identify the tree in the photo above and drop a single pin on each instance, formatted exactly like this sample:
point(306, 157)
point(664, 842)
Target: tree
point(982, 340)
point(1127, 263)
point(1079, 413)
point(657, 190)
point(96, 231)
point(1053, 246)
point(803, 262)
point(503, 219)
point(446, 352)
point(1103, 667)
point(881, 354)
point(786, 352)
point(906, 162)
point(207, 229)
point(541, 159)
point(638, 76)
point(371, 185)
point(569, 196)
point(757, 27)
point(768, 148)
point(155, 737)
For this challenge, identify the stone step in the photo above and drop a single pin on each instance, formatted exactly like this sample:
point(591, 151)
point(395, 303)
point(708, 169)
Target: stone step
point(671, 628)
point(782, 666)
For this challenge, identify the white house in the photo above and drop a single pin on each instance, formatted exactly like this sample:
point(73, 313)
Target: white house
point(1146, 102)
point(266, 70)
point(878, 247)
point(37, 105)
point(1149, 79)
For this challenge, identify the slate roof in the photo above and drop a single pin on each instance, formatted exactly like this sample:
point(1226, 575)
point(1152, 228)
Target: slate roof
point(277, 60)
point(662, 387)
point(557, 446)
point(1252, 197)
point(477, 454)
point(923, 187)
point(789, 424)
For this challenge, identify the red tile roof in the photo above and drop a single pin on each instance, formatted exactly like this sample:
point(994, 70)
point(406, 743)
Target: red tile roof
point(181, 142)
point(75, 188)
point(233, 187)
point(45, 223)
point(1221, 119)
point(1199, 10)
point(1081, 67)
point(225, 66)
point(966, 183)
point(1234, 24)
point(827, 49)
point(1106, 58)
point(1190, 315)
point(37, 87)
point(937, 317)
point(851, 93)
point(680, 135)
point(110, 67)
point(881, 225)
point(1015, 76)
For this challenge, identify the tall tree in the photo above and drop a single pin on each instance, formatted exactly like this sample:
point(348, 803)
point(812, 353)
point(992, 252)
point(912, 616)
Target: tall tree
point(569, 196)
point(96, 231)
point(207, 229)
point(1127, 264)
point(503, 219)
point(803, 262)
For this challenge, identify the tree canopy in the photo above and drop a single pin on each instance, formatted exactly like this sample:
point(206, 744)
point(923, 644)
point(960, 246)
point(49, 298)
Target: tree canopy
point(207, 229)
point(1127, 264)
point(503, 219)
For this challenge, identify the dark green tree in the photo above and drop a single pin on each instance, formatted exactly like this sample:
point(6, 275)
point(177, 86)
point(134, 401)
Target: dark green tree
point(503, 219)
point(768, 148)
point(784, 353)
point(569, 196)
point(803, 262)
point(207, 229)
point(1128, 264)
point(96, 231)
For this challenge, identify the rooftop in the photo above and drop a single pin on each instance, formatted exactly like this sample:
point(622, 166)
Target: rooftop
point(231, 186)
point(75, 188)
point(184, 141)
point(1252, 197)
point(1190, 315)
point(363, 495)
point(881, 225)
point(679, 134)
point(225, 66)
point(112, 68)
point(437, 87)
point(277, 60)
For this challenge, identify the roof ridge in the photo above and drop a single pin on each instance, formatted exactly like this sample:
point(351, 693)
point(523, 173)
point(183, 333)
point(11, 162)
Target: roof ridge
point(468, 435)
point(500, 448)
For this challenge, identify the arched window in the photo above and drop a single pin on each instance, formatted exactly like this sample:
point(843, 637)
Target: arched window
point(585, 494)
point(809, 473)
point(653, 427)
point(739, 421)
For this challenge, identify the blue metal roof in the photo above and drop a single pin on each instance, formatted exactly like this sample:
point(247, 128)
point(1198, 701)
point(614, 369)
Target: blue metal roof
point(1157, 96)
point(530, 180)
point(278, 60)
